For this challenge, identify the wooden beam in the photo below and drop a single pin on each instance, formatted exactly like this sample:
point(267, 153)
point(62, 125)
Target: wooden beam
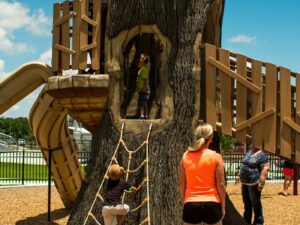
point(292, 124)
point(64, 49)
point(211, 117)
point(256, 103)
point(64, 19)
point(88, 20)
point(241, 96)
point(219, 127)
point(75, 35)
point(297, 120)
point(56, 39)
point(87, 47)
point(226, 99)
point(270, 124)
point(255, 119)
point(285, 111)
point(234, 75)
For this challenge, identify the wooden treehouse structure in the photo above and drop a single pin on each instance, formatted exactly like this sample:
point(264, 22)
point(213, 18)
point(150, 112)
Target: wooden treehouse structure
point(245, 98)
point(93, 68)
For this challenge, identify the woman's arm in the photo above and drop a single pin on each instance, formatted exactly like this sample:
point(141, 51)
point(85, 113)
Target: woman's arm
point(263, 175)
point(182, 181)
point(220, 179)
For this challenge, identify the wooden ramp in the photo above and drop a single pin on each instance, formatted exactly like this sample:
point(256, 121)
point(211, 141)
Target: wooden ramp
point(255, 99)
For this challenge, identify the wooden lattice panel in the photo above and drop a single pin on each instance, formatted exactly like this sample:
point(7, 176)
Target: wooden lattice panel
point(77, 22)
point(251, 102)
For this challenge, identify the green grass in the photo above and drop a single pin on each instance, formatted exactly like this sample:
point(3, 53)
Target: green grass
point(32, 172)
point(14, 171)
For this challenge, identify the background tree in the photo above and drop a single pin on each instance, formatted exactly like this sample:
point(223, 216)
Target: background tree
point(16, 127)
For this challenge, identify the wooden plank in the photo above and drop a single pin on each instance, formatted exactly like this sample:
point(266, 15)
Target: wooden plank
point(75, 35)
point(226, 101)
point(66, 18)
point(292, 124)
point(56, 35)
point(64, 49)
point(211, 118)
point(65, 41)
point(285, 111)
point(241, 97)
point(256, 103)
point(254, 120)
point(297, 137)
point(83, 35)
point(269, 126)
point(88, 20)
point(95, 57)
point(235, 75)
point(88, 47)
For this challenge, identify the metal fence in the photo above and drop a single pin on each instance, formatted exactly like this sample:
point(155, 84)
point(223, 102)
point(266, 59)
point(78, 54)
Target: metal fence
point(27, 166)
point(233, 161)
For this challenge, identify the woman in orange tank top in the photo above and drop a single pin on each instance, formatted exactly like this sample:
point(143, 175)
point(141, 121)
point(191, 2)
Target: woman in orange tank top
point(202, 181)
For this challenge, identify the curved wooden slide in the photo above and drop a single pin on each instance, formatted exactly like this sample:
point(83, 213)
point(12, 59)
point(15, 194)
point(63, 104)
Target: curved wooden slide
point(47, 120)
point(22, 82)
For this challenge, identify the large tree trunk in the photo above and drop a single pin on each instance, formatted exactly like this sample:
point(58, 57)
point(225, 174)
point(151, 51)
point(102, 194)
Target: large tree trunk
point(180, 21)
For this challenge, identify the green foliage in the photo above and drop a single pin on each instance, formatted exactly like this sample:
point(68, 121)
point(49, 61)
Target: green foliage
point(16, 127)
point(227, 143)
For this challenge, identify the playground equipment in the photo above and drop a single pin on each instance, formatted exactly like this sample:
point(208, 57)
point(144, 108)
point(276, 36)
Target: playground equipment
point(127, 171)
point(235, 85)
point(249, 89)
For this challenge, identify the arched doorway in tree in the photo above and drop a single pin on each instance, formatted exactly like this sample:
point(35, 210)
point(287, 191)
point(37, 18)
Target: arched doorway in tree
point(149, 44)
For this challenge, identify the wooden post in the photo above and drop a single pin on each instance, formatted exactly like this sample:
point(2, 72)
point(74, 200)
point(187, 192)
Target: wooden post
point(295, 178)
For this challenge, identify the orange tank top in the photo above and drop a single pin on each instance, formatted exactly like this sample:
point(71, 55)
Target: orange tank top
point(200, 171)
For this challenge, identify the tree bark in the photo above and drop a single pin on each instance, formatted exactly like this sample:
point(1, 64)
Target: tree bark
point(180, 21)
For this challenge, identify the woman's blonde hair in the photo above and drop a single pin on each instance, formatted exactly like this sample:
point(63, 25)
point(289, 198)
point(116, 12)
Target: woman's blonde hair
point(202, 134)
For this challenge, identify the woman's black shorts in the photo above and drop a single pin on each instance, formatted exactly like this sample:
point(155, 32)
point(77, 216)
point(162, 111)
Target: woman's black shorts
point(198, 212)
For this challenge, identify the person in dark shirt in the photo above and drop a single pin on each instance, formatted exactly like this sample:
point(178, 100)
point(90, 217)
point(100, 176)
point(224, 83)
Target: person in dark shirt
point(288, 176)
point(252, 174)
point(113, 211)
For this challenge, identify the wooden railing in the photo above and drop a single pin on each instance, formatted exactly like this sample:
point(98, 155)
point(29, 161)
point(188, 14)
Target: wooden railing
point(254, 98)
point(76, 23)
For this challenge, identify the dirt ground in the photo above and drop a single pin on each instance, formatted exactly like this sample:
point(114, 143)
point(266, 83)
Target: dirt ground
point(28, 205)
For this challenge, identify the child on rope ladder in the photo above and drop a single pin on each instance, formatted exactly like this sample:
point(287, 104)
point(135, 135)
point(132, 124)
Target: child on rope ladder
point(113, 211)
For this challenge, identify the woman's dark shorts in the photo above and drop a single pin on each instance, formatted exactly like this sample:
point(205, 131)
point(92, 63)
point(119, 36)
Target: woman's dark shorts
point(198, 212)
point(143, 99)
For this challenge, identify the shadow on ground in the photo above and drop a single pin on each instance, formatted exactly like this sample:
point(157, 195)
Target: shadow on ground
point(42, 219)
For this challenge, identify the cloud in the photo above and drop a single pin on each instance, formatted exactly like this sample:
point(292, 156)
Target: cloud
point(46, 56)
point(41, 25)
point(15, 16)
point(2, 66)
point(241, 38)
point(7, 44)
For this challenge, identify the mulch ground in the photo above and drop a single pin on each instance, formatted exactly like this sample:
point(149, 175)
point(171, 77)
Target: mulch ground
point(28, 205)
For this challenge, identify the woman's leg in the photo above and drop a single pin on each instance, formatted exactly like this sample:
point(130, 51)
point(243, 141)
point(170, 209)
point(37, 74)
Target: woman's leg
point(247, 203)
point(255, 197)
point(287, 183)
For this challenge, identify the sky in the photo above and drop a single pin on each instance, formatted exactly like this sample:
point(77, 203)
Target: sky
point(266, 30)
